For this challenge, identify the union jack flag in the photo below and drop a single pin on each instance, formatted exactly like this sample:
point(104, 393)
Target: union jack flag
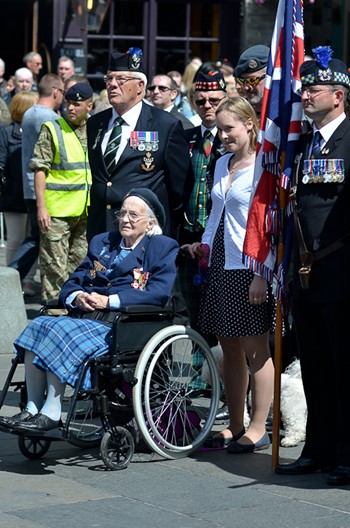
point(280, 127)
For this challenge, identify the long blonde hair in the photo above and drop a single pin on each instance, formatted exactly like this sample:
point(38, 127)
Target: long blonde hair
point(245, 112)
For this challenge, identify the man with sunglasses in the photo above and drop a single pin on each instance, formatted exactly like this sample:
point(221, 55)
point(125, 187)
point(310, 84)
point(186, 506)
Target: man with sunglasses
point(163, 92)
point(205, 148)
point(134, 144)
point(250, 74)
point(321, 286)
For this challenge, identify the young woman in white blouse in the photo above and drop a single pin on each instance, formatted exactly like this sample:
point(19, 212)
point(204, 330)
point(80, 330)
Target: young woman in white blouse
point(237, 305)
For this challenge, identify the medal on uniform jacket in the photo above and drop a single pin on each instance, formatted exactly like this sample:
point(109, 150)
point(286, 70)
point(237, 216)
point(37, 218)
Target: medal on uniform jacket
point(147, 164)
point(144, 140)
point(97, 138)
point(323, 171)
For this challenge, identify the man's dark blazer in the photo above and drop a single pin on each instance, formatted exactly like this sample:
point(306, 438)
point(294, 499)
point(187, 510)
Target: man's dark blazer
point(324, 213)
point(155, 255)
point(194, 139)
point(186, 123)
point(166, 177)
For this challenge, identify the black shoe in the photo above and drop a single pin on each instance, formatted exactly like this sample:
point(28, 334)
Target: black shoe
point(234, 448)
point(222, 416)
point(11, 421)
point(301, 466)
point(218, 442)
point(340, 476)
point(39, 422)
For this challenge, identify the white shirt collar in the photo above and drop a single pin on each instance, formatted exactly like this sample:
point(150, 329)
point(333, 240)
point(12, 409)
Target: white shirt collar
point(213, 131)
point(328, 130)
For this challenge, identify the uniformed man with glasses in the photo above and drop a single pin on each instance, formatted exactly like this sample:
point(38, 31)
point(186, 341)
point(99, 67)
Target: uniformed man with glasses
point(321, 286)
point(134, 144)
point(250, 74)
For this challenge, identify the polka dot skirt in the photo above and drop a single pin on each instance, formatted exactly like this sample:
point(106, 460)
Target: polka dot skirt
point(225, 309)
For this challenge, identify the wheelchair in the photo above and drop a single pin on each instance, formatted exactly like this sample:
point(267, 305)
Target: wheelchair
point(145, 387)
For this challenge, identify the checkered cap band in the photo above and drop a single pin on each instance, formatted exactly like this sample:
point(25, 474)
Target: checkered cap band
point(338, 78)
point(208, 86)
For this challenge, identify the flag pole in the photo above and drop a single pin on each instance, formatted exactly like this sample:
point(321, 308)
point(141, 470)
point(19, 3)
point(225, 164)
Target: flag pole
point(278, 351)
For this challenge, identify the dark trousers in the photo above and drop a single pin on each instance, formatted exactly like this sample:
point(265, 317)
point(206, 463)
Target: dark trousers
point(28, 252)
point(323, 340)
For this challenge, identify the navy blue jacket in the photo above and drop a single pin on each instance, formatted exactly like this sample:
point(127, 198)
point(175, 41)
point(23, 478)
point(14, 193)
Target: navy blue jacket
point(154, 255)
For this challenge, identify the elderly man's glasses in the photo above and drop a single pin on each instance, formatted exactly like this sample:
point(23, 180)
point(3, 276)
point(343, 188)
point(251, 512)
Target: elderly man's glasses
point(116, 78)
point(162, 89)
point(312, 92)
point(212, 100)
point(250, 81)
point(133, 217)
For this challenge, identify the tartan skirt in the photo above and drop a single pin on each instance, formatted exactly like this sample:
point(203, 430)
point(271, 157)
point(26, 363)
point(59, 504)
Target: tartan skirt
point(62, 345)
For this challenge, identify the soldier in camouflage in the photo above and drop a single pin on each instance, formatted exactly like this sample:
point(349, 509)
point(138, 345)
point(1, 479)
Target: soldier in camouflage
point(62, 184)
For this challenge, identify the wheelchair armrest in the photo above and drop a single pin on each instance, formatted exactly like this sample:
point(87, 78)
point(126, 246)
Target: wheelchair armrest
point(145, 309)
point(52, 303)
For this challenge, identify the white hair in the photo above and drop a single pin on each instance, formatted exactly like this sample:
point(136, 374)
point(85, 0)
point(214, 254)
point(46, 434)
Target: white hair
point(2, 65)
point(155, 229)
point(24, 72)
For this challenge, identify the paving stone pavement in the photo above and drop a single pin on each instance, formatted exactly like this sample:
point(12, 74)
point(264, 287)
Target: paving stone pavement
point(72, 487)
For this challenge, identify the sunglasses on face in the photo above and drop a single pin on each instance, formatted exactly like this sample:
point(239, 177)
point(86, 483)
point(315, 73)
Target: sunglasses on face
point(251, 81)
point(162, 89)
point(213, 101)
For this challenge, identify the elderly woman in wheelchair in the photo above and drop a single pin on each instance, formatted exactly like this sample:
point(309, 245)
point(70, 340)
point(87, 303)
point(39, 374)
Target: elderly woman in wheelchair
point(119, 349)
point(133, 266)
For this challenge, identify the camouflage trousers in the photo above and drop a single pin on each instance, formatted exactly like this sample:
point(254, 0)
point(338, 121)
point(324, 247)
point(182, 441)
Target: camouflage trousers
point(62, 249)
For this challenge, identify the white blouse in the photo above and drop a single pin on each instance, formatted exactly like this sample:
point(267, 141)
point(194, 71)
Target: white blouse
point(236, 203)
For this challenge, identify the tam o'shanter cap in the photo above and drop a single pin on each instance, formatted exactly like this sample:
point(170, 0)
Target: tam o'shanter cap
point(323, 69)
point(151, 199)
point(129, 61)
point(252, 59)
point(210, 82)
point(79, 92)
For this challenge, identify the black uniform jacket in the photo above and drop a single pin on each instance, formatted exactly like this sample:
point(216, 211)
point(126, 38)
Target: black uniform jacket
point(163, 171)
point(324, 213)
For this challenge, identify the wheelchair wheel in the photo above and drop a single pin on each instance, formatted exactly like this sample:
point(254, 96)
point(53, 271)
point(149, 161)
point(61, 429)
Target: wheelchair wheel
point(174, 417)
point(33, 447)
point(85, 428)
point(117, 448)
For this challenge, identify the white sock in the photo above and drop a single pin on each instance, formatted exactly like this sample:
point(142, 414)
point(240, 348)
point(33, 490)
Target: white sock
point(55, 392)
point(36, 384)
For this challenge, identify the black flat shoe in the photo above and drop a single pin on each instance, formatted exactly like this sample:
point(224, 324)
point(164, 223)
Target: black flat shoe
point(301, 466)
point(39, 422)
point(217, 442)
point(339, 477)
point(11, 421)
point(234, 448)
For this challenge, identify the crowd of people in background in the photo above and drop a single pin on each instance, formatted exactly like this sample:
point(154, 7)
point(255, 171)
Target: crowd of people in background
point(69, 157)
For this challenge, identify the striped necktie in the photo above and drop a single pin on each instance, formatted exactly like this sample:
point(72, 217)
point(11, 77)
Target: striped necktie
point(113, 144)
point(207, 143)
point(316, 144)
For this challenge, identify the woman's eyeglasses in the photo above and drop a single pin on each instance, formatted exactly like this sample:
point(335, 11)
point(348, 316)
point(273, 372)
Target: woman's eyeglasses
point(132, 216)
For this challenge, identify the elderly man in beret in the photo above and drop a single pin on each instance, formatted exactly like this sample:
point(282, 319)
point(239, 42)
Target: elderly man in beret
point(62, 180)
point(321, 286)
point(250, 74)
point(131, 144)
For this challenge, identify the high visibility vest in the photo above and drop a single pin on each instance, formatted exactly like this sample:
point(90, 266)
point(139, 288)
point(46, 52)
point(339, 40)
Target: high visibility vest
point(67, 191)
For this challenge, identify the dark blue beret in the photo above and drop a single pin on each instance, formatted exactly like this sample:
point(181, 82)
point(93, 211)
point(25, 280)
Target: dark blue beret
point(79, 92)
point(252, 59)
point(151, 199)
